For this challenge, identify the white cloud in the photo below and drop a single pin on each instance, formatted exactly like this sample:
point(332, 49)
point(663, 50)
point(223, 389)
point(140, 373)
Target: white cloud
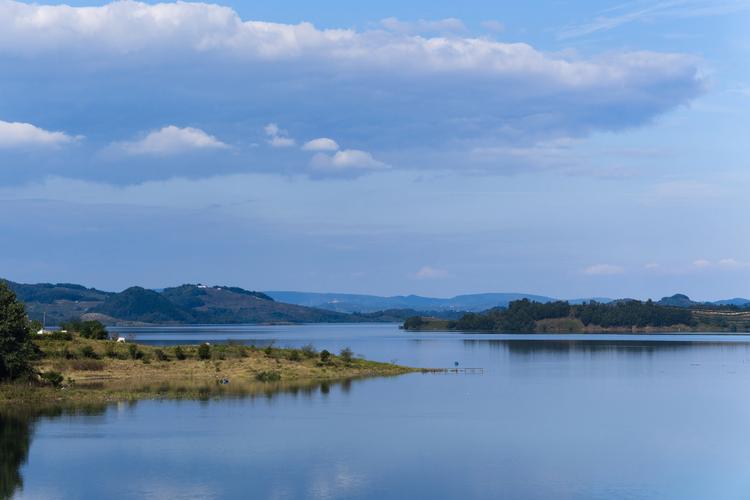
point(321, 144)
point(443, 26)
point(140, 30)
point(702, 263)
point(652, 266)
point(346, 162)
point(23, 135)
point(277, 137)
point(429, 273)
point(603, 270)
point(172, 140)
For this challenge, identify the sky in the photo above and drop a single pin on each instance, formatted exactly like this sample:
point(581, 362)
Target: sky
point(565, 148)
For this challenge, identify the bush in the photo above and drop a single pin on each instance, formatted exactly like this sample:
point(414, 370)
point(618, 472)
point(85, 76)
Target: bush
point(295, 355)
point(268, 376)
point(160, 355)
point(134, 352)
point(55, 379)
point(204, 351)
point(325, 356)
point(87, 329)
point(309, 351)
point(67, 354)
point(346, 355)
point(59, 335)
point(179, 353)
point(88, 352)
point(110, 350)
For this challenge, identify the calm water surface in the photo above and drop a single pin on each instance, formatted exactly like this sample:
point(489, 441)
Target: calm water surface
point(553, 417)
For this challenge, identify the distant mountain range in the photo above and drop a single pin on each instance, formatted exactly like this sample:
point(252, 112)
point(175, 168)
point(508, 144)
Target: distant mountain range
point(195, 304)
point(350, 303)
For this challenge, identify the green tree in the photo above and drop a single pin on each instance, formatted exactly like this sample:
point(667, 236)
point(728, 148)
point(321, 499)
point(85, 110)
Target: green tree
point(16, 349)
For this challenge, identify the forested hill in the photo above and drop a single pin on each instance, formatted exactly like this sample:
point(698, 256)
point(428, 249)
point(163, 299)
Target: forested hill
point(186, 304)
point(526, 316)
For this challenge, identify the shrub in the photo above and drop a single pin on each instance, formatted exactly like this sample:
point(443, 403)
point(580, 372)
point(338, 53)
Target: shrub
point(88, 352)
point(268, 350)
point(60, 335)
point(268, 376)
point(325, 356)
point(346, 355)
point(295, 355)
point(179, 353)
point(204, 351)
point(160, 355)
point(67, 354)
point(87, 329)
point(309, 351)
point(55, 379)
point(134, 352)
point(110, 350)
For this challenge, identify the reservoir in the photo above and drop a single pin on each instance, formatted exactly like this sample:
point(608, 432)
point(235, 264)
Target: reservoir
point(549, 417)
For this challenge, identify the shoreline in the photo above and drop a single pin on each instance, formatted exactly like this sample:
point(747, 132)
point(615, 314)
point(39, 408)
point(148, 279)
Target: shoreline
point(85, 371)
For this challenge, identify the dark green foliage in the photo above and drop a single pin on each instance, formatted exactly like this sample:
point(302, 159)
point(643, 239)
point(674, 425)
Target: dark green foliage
point(55, 379)
point(346, 355)
point(134, 352)
point(110, 350)
point(294, 355)
point(87, 329)
point(413, 323)
point(632, 313)
point(139, 304)
point(47, 293)
point(268, 376)
point(160, 355)
point(522, 315)
point(204, 351)
point(179, 354)
point(16, 349)
point(88, 352)
point(15, 441)
point(59, 335)
point(325, 356)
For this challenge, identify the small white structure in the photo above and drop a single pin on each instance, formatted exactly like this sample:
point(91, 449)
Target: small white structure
point(121, 340)
point(43, 331)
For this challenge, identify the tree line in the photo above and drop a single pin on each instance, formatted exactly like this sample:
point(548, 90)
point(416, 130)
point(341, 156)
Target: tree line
point(522, 315)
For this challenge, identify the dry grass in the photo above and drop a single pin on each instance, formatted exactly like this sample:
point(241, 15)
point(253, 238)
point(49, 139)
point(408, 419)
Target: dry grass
point(124, 372)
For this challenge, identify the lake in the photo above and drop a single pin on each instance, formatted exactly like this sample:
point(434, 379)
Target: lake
point(551, 417)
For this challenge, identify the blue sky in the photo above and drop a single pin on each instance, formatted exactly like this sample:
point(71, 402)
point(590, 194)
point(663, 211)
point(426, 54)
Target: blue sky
point(563, 148)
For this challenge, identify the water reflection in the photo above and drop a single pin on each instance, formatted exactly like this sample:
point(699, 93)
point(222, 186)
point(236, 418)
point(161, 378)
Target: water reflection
point(17, 426)
point(16, 435)
point(521, 347)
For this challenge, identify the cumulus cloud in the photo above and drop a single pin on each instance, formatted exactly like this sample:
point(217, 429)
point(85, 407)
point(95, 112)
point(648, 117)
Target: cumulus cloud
point(442, 26)
point(23, 135)
point(603, 270)
point(346, 162)
point(402, 84)
point(430, 273)
point(277, 137)
point(172, 140)
point(321, 144)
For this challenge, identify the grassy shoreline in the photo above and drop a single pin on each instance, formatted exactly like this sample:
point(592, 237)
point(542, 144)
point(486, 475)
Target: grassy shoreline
point(103, 371)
